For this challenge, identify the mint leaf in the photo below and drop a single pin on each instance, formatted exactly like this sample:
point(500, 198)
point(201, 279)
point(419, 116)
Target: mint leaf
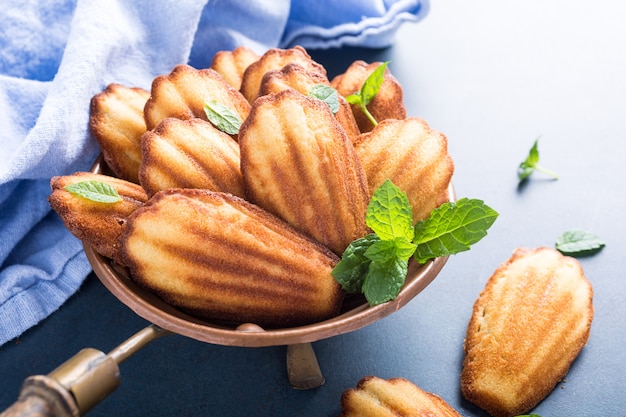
point(530, 164)
point(452, 228)
point(372, 84)
point(327, 94)
point(222, 117)
point(579, 243)
point(377, 264)
point(94, 190)
point(389, 213)
point(384, 280)
point(384, 250)
point(351, 270)
point(368, 91)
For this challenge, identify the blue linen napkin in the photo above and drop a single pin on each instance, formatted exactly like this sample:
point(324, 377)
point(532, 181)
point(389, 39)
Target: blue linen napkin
point(55, 56)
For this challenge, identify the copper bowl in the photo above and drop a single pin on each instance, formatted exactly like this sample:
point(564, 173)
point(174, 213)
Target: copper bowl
point(355, 312)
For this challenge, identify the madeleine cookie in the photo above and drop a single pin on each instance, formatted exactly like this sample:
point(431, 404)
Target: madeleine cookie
point(413, 156)
point(218, 257)
point(275, 59)
point(232, 64)
point(527, 327)
point(298, 164)
point(116, 121)
point(184, 91)
point(377, 397)
point(97, 224)
point(190, 154)
point(387, 104)
point(298, 78)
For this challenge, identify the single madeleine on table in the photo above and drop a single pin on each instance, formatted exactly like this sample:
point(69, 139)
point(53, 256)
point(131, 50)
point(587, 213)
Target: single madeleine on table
point(527, 327)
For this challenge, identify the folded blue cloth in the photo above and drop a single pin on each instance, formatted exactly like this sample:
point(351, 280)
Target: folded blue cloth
point(55, 56)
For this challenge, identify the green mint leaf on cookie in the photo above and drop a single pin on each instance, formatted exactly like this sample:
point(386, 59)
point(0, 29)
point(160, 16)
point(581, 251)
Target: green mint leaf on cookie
point(93, 190)
point(452, 228)
point(376, 265)
point(327, 94)
point(222, 117)
point(579, 243)
point(531, 164)
point(369, 90)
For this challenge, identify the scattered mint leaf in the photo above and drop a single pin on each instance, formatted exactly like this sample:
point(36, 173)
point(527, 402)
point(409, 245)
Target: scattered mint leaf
point(327, 94)
point(530, 164)
point(579, 243)
point(389, 213)
point(529, 415)
point(222, 117)
point(376, 265)
point(93, 190)
point(368, 91)
point(452, 228)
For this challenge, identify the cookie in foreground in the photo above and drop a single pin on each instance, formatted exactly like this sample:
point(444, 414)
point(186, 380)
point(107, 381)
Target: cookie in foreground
point(527, 326)
point(374, 396)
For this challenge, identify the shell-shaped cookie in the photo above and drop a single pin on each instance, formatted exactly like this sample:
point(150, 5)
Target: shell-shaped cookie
point(387, 104)
point(297, 77)
point(116, 121)
point(527, 327)
point(413, 156)
point(377, 397)
point(190, 154)
point(97, 224)
point(218, 257)
point(184, 91)
point(232, 64)
point(298, 163)
point(275, 59)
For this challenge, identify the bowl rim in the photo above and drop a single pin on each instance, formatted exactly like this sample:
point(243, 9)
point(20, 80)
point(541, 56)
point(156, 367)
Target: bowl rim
point(149, 307)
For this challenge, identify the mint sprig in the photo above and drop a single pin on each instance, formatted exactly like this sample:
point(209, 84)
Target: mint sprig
point(368, 91)
point(579, 243)
point(376, 265)
point(531, 164)
point(222, 117)
point(327, 94)
point(94, 190)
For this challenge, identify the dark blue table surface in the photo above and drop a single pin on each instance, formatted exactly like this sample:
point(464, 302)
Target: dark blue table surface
point(493, 76)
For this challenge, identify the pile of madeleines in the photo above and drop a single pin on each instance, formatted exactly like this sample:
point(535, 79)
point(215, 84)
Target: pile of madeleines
point(246, 225)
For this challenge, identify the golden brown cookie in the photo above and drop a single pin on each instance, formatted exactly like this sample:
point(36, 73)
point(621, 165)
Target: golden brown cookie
point(275, 59)
point(298, 163)
point(218, 257)
point(387, 104)
point(413, 156)
point(232, 64)
point(184, 91)
point(116, 121)
point(297, 77)
point(377, 397)
point(96, 224)
point(527, 327)
point(190, 154)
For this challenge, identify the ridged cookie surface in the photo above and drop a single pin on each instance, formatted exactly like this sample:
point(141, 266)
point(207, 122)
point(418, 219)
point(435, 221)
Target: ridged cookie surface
point(218, 257)
point(232, 64)
point(97, 224)
point(190, 154)
point(395, 397)
point(116, 121)
point(387, 104)
point(183, 92)
point(297, 77)
point(527, 327)
point(413, 156)
point(298, 163)
point(275, 59)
